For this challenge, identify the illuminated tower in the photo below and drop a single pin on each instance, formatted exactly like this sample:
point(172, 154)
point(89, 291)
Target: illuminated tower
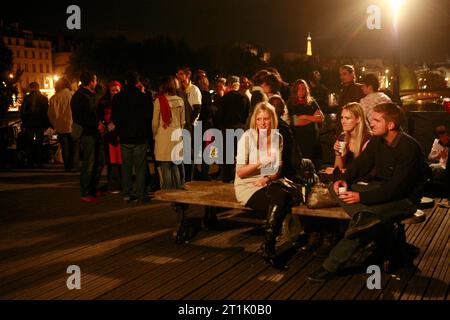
point(309, 46)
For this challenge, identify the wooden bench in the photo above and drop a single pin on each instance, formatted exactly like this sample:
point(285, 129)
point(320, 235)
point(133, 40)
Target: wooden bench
point(211, 194)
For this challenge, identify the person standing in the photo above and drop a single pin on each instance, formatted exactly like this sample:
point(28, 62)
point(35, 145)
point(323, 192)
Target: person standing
point(192, 99)
point(33, 114)
point(350, 91)
point(84, 114)
point(305, 117)
point(168, 116)
point(231, 114)
point(60, 116)
point(131, 114)
point(370, 86)
point(111, 142)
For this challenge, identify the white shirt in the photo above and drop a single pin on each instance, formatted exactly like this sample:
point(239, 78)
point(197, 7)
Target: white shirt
point(436, 149)
point(371, 100)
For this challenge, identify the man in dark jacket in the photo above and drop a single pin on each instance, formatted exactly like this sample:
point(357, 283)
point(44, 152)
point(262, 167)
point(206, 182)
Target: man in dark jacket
point(33, 114)
point(351, 91)
point(396, 167)
point(84, 114)
point(232, 113)
point(131, 114)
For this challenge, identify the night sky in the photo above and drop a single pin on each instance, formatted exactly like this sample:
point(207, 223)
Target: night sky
point(338, 27)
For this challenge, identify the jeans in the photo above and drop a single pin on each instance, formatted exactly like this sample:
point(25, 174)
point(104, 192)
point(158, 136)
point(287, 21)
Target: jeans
point(170, 176)
point(133, 156)
point(65, 139)
point(387, 212)
point(92, 164)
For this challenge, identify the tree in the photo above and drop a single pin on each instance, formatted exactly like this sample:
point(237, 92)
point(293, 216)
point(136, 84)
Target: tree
point(7, 88)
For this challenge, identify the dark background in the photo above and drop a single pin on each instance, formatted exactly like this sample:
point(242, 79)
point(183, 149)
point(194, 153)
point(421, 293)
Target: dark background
point(338, 28)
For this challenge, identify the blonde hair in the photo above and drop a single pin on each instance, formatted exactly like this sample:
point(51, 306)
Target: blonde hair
point(264, 106)
point(362, 128)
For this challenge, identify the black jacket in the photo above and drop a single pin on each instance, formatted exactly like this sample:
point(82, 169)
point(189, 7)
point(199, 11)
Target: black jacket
point(131, 113)
point(401, 167)
point(33, 111)
point(84, 111)
point(232, 111)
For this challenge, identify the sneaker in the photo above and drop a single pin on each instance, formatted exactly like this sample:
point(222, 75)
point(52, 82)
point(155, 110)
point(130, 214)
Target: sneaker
point(88, 199)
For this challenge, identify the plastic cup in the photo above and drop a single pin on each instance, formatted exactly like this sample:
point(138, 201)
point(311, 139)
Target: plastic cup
point(342, 145)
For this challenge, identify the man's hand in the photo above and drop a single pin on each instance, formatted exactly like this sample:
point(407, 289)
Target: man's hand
point(101, 127)
point(338, 184)
point(349, 197)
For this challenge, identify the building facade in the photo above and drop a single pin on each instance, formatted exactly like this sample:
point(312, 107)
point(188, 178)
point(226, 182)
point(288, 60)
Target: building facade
point(33, 55)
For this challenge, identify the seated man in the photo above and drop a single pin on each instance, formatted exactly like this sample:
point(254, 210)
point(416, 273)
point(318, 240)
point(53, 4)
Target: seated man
point(439, 154)
point(394, 164)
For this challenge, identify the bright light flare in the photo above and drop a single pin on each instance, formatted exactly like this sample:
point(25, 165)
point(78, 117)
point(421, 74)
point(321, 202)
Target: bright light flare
point(396, 6)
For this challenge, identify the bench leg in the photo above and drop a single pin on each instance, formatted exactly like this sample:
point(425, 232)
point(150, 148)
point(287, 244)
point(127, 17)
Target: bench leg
point(210, 219)
point(181, 232)
point(398, 253)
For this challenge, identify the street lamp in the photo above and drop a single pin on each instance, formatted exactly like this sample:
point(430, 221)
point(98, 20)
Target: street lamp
point(396, 6)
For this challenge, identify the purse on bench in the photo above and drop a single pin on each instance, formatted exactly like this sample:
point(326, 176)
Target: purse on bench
point(320, 197)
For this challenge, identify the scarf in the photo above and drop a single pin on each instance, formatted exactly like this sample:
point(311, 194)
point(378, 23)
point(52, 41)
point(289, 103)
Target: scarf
point(166, 114)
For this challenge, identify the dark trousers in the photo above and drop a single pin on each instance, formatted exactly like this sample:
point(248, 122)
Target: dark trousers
point(263, 198)
point(65, 139)
point(115, 177)
point(133, 156)
point(228, 169)
point(388, 213)
point(34, 138)
point(92, 164)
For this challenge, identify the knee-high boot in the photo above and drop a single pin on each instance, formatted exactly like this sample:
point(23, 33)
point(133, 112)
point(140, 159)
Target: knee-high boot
point(275, 217)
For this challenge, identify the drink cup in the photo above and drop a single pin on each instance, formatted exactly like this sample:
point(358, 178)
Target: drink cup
point(342, 145)
point(342, 190)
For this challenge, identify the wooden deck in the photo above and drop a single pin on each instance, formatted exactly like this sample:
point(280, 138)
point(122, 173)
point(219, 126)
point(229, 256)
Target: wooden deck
point(126, 252)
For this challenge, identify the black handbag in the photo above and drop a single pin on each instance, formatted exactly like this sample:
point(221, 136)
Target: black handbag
point(293, 189)
point(320, 197)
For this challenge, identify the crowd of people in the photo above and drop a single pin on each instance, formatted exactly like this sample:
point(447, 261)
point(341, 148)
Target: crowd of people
point(131, 123)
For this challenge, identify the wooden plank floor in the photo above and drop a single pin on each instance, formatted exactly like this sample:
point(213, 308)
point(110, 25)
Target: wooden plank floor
point(126, 252)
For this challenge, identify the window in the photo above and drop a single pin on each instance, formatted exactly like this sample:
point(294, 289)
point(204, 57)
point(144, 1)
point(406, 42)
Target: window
point(47, 68)
point(18, 53)
point(9, 41)
point(18, 66)
point(34, 67)
point(26, 54)
point(41, 68)
point(26, 67)
point(40, 55)
point(33, 54)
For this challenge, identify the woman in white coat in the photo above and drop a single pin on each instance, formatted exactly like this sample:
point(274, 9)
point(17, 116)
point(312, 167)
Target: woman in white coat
point(168, 116)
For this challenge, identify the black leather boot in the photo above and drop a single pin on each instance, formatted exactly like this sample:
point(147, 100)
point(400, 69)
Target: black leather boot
point(275, 217)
